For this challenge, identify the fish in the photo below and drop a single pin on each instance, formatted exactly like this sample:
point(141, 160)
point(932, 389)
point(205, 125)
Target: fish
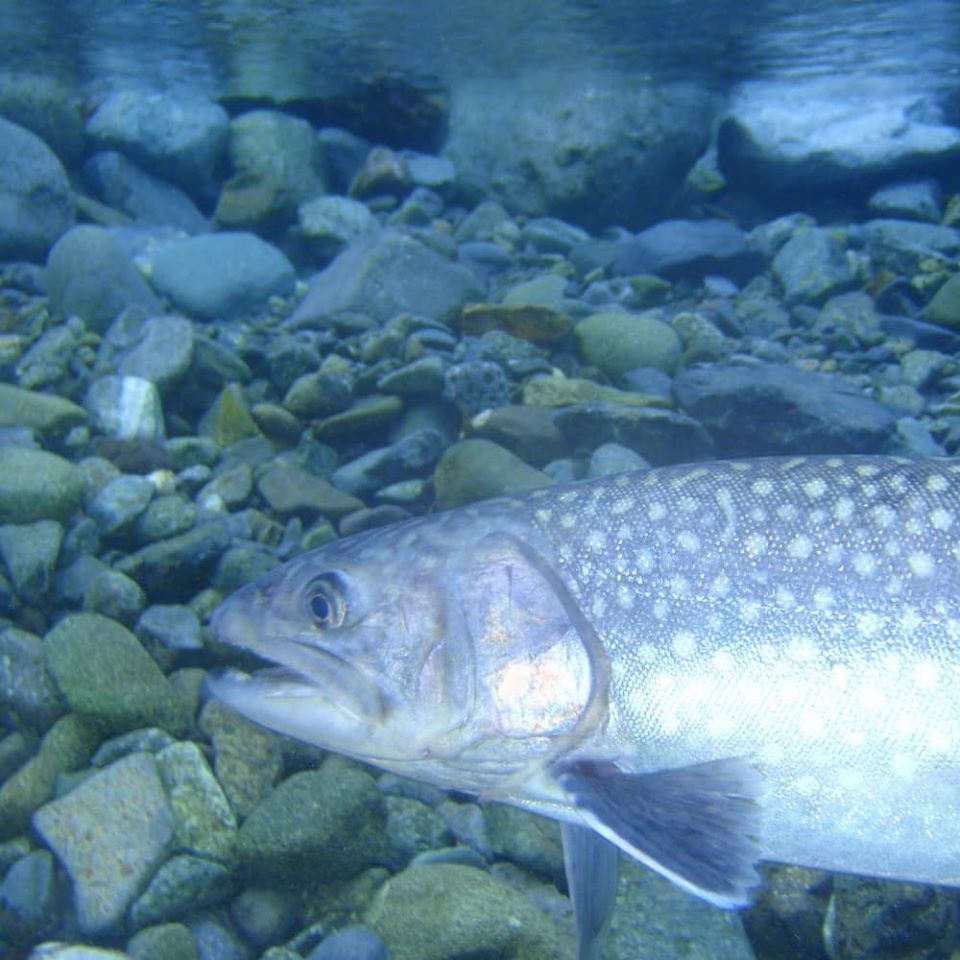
point(704, 666)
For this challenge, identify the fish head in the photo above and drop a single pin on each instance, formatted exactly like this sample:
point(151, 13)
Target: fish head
point(445, 648)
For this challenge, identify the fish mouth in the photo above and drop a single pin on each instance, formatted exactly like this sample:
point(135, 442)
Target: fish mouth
point(300, 672)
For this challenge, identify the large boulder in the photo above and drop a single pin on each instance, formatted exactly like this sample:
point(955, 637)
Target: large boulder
point(36, 204)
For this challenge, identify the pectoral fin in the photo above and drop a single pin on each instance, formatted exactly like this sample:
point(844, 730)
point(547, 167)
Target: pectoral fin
point(591, 865)
point(696, 825)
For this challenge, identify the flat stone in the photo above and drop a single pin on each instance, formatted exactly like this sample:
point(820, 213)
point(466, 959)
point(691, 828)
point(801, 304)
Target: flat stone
point(557, 390)
point(290, 489)
point(110, 833)
point(385, 275)
point(474, 469)
point(367, 414)
point(773, 408)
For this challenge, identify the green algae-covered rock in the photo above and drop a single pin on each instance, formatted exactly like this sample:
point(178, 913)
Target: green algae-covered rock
point(618, 342)
point(106, 676)
point(36, 485)
point(944, 308)
point(442, 910)
point(474, 470)
point(317, 825)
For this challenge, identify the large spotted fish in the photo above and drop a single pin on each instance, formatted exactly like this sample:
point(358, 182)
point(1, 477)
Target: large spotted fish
point(703, 666)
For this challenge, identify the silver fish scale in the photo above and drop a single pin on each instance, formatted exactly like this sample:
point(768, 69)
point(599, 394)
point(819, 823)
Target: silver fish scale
point(802, 613)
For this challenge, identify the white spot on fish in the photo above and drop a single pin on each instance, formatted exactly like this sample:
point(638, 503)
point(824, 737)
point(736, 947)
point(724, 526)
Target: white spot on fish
point(822, 598)
point(883, 516)
point(723, 660)
point(656, 511)
point(869, 624)
point(755, 545)
point(596, 541)
point(679, 586)
point(644, 560)
point(749, 611)
point(646, 653)
point(784, 598)
point(921, 564)
point(867, 469)
point(800, 547)
point(864, 564)
point(684, 644)
point(815, 488)
point(802, 650)
point(941, 519)
point(787, 512)
point(660, 609)
point(543, 516)
point(762, 487)
point(688, 541)
point(568, 520)
point(936, 483)
point(910, 620)
point(720, 587)
point(625, 597)
point(843, 509)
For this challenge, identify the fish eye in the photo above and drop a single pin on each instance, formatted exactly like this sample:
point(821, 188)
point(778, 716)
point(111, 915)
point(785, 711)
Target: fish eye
point(325, 602)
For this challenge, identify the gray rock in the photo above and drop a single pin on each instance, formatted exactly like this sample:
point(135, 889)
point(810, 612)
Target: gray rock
point(288, 489)
point(901, 245)
point(218, 275)
point(611, 458)
point(74, 951)
point(388, 274)
point(551, 235)
point(773, 408)
point(329, 224)
point(944, 308)
point(829, 132)
point(86, 652)
point(176, 136)
point(280, 148)
point(181, 886)
point(474, 470)
point(36, 203)
point(343, 836)
point(476, 385)
point(528, 431)
point(44, 413)
point(170, 626)
point(526, 839)
point(659, 436)
point(366, 415)
point(216, 940)
point(318, 394)
point(47, 107)
point(493, 919)
point(910, 199)
point(422, 377)
point(125, 406)
point(168, 941)
point(49, 359)
point(412, 455)
point(163, 352)
point(120, 502)
point(913, 439)
point(617, 342)
point(688, 250)
point(30, 553)
point(31, 898)
point(146, 199)
point(351, 943)
point(811, 266)
point(535, 144)
point(110, 833)
point(27, 691)
point(266, 916)
point(165, 517)
point(36, 485)
point(412, 828)
point(229, 489)
point(205, 824)
point(874, 918)
point(89, 275)
point(174, 569)
point(114, 595)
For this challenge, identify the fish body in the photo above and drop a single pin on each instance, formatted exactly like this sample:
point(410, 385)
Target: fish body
point(705, 665)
